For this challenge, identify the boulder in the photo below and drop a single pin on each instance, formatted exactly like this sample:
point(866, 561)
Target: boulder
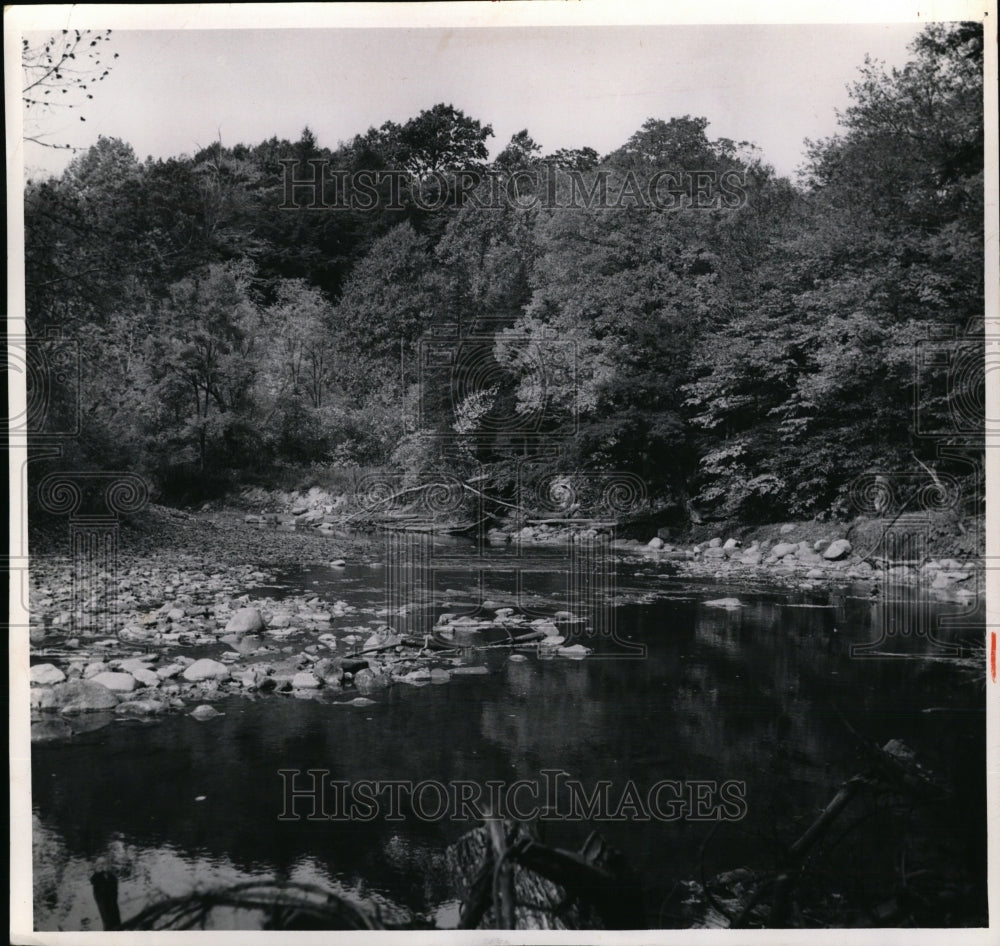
point(115, 682)
point(171, 670)
point(205, 712)
point(750, 557)
point(729, 604)
point(715, 543)
point(206, 669)
point(306, 680)
point(245, 621)
point(338, 563)
point(147, 677)
point(784, 548)
point(136, 709)
point(655, 543)
point(46, 675)
point(714, 552)
point(836, 550)
point(132, 664)
point(731, 544)
point(815, 573)
point(329, 670)
point(77, 696)
point(787, 528)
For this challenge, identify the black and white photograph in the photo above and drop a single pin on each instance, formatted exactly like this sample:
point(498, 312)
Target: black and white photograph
point(503, 472)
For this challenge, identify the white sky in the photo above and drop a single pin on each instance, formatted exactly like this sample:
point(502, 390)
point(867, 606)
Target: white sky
point(173, 91)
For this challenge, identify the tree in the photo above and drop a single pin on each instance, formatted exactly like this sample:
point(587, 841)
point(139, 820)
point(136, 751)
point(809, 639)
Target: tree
point(60, 73)
point(443, 139)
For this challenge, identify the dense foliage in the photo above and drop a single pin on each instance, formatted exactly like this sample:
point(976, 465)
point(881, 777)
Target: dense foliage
point(746, 357)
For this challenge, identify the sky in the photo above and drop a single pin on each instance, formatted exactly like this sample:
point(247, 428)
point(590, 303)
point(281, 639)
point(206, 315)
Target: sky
point(172, 92)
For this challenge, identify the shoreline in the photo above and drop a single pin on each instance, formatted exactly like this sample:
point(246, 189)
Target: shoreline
point(179, 631)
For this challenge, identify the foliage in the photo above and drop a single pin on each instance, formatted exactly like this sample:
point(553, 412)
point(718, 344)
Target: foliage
point(751, 356)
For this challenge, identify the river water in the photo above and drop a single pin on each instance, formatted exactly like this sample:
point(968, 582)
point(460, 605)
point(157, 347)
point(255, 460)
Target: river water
point(763, 696)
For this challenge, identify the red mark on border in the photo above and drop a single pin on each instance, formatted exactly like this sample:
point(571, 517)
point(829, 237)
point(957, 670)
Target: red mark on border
point(993, 655)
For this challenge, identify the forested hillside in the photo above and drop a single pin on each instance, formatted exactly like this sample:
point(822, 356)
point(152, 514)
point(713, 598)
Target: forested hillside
point(748, 357)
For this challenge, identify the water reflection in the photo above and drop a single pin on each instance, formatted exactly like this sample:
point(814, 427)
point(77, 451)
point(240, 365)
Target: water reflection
point(756, 694)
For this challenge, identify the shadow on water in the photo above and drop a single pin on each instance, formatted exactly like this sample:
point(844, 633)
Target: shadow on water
point(757, 694)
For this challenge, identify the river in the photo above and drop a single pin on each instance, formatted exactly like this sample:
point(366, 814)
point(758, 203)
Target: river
point(758, 695)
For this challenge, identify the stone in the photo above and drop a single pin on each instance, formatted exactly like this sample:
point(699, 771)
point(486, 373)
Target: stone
point(306, 680)
point(329, 670)
point(714, 552)
point(132, 664)
point(439, 675)
point(815, 573)
point(245, 621)
point(784, 548)
point(140, 708)
point(148, 678)
point(787, 528)
point(729, 604)
point(205, 712)
point(836, 550)
point(77, 696)
point(171, 670)
point(338, 563)
point(280, 619)
point(206, 669)
point(751, 557)
point(715, 543)
point(656, 543)
point(175, 614)
point(116, 682)
point(730, 544)
point(46, 675)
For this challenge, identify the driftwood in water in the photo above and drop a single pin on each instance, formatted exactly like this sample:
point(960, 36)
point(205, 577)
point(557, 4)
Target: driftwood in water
point(508, 879)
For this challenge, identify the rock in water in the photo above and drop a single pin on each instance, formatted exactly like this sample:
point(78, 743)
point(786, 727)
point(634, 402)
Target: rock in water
point(656, 543)
point(46, 675)
point(148, 678)
point(245, 621)
point(116, 682)
point(205, 712)
point(305, 681)
point(77, 696)
point(837, 550)
point(206, 669)
point(140, 708)
point(730, 604)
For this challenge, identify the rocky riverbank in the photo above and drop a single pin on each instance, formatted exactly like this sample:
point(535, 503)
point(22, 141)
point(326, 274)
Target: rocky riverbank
point(174, 628)
point(788, 560)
